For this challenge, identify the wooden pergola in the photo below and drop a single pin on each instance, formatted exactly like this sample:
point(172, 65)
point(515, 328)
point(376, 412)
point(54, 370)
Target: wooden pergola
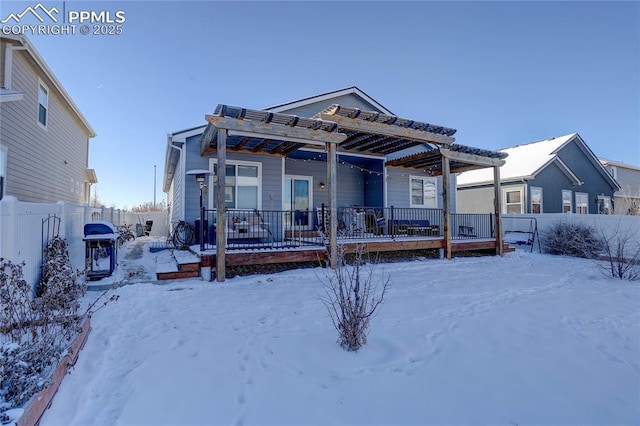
point(343, 129)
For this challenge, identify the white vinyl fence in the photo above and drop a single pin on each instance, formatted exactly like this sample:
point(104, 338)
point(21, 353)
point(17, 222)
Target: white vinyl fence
point(21, 229)
point(608, 225)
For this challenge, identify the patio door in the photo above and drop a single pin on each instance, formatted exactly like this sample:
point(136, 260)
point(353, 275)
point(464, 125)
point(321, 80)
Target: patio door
point(298, 201)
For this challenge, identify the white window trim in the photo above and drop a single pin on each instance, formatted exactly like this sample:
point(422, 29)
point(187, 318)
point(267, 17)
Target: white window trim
point(47, 115)
point(423, 178)
point(614, 172)
point(587, 204)
point(570, 200)
point(504, 199)
point(212, 179)
point(541, 199)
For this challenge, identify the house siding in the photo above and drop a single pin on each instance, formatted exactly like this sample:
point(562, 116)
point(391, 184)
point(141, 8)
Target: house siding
point(43, 165)
point(271, 183)
point(475, 200)
point(398, 188)
point(585, 168)
point(349, 100)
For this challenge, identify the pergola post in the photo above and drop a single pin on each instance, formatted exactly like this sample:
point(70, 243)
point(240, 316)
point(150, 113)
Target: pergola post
point(497, 209)
point(221, 206)
point(446, 205)
point(332, 177)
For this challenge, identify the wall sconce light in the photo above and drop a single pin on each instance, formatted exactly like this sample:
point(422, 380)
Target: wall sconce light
point(321, 185)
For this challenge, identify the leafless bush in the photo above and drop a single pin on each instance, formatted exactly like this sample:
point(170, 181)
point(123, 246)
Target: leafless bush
point(571, 239)
point(36, 328)
point(352, 295)
point(620, 255)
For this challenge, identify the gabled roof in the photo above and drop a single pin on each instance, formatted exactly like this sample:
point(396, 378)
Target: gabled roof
point(353, 90)
point(37, 60)
point(527, 160)
point(619, 164)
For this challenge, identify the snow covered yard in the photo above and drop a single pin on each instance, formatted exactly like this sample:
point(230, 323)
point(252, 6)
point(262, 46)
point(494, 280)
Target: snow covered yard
point(524, 339)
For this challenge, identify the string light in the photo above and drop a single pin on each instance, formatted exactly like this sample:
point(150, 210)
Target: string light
point(394, 178)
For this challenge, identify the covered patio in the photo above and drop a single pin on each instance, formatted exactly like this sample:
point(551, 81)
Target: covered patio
point(342, 130)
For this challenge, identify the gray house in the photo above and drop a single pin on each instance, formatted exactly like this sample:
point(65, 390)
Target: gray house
point(297, 180)
point(627, 199)
point(556, 175)
point(44, 145)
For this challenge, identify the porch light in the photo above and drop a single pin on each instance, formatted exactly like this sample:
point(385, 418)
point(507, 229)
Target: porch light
point(201, 175)
point(321, 185)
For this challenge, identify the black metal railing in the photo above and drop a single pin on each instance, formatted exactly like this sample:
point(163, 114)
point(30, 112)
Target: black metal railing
point(263, 229)
point(472, 226)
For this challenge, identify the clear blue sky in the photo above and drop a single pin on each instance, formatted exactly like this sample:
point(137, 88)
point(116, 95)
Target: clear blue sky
point(502, 73)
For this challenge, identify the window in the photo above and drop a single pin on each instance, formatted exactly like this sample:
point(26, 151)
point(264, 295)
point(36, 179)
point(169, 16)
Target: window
point(567, 205)
point(43, 104)
point(424, 192)
point(582, 203)
point(536, 200)
point(3, 170)
point(241, 185)
point(614, 172)
point(604, 204)
point(513, 201)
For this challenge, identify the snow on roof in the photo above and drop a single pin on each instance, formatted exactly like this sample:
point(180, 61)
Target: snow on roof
point(523, 161)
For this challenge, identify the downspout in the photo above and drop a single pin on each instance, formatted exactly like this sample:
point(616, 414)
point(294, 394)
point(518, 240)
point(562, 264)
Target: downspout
point(182, 165)
point(8, 63)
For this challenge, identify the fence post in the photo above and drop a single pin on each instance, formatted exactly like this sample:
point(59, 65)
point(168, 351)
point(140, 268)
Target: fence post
point(63, 218)
point(85, 214)
point(8, 227)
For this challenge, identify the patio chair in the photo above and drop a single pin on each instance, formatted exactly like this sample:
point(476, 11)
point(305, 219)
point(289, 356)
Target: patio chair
point(374, 222)
point(354, 222)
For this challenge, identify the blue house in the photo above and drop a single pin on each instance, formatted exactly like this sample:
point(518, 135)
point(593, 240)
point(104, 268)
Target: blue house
point(282, 182)
point(555, 175)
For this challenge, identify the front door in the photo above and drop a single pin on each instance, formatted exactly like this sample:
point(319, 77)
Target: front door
point(298, 201)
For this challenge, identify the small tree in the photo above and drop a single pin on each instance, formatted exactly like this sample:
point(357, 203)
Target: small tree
point(620, 254)
point(352, 296)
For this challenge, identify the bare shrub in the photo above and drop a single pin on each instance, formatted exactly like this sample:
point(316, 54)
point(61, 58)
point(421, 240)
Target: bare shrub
point(352, 296)
point(571, 239)
point(620, 255)
point(36, 329)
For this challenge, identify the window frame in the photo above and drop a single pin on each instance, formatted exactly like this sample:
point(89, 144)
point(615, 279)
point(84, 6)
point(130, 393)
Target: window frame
point(213, 177)
point(536, 188)
point(45, 88)
point(505, 200)
point(570, 192)
point(423, 179)
point(580, 205)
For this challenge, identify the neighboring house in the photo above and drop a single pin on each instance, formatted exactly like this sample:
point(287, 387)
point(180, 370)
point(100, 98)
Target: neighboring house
point(557, 175)
point(296, 181)
point(44, 138)
point(627, 199)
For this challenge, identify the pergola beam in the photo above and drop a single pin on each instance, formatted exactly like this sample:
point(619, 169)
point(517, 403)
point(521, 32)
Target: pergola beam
point(353, 124)
point(249, 128)
point(478, 160)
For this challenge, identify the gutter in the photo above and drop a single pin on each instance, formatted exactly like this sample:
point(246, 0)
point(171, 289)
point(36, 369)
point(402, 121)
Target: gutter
point(26, 45)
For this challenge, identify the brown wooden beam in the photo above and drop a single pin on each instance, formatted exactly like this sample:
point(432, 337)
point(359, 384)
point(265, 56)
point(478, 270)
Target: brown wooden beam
point(221, 207)
point(241, 144)
point(471, 158)
point(275, 131)
point(388, 130)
